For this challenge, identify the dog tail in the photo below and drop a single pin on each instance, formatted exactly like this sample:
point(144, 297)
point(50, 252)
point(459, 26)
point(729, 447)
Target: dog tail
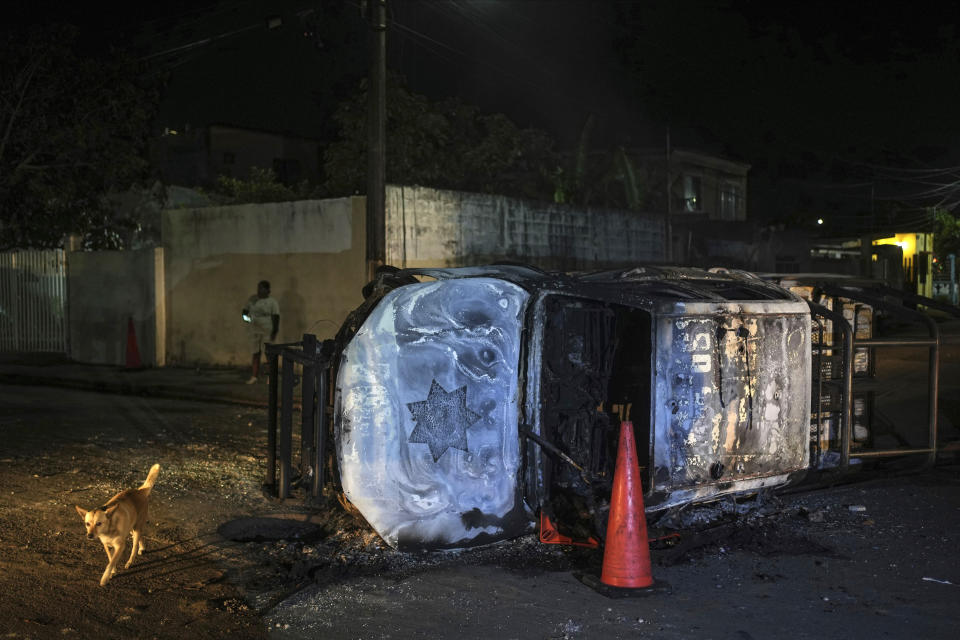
point(151, 477)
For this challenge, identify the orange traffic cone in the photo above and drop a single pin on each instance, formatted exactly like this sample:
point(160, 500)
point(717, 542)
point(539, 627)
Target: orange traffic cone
point(133, 353)
point(626, 553)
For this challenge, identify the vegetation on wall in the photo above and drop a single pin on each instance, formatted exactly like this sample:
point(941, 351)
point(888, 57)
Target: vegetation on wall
point(607, 178)
point(262, 186)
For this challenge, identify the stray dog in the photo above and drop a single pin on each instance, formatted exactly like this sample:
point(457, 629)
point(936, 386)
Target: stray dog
point(124, 514)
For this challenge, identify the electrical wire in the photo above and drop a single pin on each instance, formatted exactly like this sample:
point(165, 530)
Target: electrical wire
point(473, 17)
point(504, 72)
point(433, 46)
point(200, 43)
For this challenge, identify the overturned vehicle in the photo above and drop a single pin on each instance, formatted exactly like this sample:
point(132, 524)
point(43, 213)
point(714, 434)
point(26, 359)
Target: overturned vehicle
point(469, 400)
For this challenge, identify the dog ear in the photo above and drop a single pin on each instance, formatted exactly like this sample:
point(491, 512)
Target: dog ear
point(82, 512)
point(109, 511)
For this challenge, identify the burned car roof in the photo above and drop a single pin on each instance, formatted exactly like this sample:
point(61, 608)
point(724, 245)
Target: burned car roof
point(648, 281)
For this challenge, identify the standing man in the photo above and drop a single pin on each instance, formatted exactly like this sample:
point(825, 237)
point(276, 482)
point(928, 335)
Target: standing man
point(262, 313)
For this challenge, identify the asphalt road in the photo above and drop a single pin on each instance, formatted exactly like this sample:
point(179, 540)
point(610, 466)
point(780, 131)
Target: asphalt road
point(878, 558)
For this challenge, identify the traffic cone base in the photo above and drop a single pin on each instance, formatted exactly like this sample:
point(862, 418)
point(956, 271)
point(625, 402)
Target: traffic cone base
point(626, 552)
point(133, 353)
point(656, 587)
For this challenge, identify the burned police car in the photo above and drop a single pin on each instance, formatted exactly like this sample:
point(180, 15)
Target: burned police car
point(468, 400)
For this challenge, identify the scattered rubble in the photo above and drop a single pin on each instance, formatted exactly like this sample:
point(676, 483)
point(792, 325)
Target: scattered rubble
point(221, 555)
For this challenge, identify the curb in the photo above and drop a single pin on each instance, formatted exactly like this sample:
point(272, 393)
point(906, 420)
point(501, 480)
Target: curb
point(124, 388)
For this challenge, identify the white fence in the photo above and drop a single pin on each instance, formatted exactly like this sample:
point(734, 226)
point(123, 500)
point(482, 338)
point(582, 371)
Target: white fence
point(33, 301)
point(946, 289)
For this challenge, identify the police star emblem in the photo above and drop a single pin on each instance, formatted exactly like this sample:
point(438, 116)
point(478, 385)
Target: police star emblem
point(442, 420)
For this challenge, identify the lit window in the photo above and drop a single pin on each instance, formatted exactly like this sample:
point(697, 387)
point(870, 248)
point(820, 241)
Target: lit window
point(691, 193)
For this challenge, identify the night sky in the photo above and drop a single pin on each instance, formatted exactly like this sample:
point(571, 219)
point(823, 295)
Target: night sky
point(821, 99)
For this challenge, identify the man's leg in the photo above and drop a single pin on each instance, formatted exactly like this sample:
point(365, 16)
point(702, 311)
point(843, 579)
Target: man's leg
point(256, 340)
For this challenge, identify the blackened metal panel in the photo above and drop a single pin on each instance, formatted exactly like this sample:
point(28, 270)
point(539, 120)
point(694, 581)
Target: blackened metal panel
point(731, 409)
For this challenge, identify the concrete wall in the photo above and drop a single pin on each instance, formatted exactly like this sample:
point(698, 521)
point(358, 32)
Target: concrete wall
point(312, 252)
point(427, 227)
point(105, 290)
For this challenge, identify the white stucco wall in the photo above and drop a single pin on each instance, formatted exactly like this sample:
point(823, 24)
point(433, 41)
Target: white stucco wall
point(429, 227)
point(311, 251)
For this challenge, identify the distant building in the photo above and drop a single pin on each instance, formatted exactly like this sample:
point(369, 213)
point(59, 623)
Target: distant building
point(708, 185)
point(916, 249)
point(707, 209)
point(702, 186)
point(901, 258)
point(197, 156)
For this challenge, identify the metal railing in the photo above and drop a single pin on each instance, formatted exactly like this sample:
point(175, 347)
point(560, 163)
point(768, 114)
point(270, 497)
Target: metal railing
point(314, 381)
point(846, 385)
point(849, 345)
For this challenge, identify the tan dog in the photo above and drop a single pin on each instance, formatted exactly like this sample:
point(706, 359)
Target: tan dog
point(124, 514)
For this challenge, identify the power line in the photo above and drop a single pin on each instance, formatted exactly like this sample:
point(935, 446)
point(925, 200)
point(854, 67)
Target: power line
point(204, 41)
point(417, 34)
point(197, 43)
point(473, 17)
point(431, 45)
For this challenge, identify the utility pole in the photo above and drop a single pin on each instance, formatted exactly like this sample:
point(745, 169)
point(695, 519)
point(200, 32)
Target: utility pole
point(952, 259)
point(669, 204)
point(376, 136)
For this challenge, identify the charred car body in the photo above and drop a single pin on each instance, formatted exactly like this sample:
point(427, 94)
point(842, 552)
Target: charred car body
point(469, 399)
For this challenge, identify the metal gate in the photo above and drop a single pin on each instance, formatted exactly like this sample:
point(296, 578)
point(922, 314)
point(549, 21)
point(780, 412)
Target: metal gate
point(314, 357)
point(33, 301)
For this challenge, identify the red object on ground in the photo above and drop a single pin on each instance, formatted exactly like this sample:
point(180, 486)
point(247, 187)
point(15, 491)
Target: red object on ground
point(626, 554)
point(133, 353)
point(550, 535)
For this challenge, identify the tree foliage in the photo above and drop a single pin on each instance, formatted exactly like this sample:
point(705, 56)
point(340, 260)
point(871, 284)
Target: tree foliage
point(262, 186)
point(445, 144)
point(946, 237)
point(609, 178)
point(72, 128)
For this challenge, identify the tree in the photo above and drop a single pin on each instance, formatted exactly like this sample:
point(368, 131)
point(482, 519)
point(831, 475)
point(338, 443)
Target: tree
point(72, 129)
point(262, 186)
point(446, 144)
point(604, 177)
point(946, 235)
